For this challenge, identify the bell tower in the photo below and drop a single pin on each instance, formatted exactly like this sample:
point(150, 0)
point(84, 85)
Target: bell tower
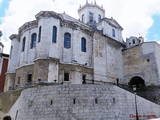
point(91, 13)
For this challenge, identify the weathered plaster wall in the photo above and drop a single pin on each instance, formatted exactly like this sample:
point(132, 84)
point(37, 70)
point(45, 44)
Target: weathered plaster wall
point(85, 102)
point(10, 81)
point(22, 75)
point(141, 61)
point(28, 55)
point(107, 59)
point(14, 57)
point(157, 53)
point(76, 73)
point(41, 69)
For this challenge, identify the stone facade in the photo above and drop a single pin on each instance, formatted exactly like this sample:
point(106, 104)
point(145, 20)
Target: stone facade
point(96, 51)
point(58, 49)
point(143, 62)
point(44, 61)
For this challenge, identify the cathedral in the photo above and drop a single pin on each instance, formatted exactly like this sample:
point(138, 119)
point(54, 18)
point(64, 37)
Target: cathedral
point(62, 68)
point(57, 48)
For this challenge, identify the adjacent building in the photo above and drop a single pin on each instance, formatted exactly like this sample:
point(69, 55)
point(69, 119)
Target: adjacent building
point(3, 66)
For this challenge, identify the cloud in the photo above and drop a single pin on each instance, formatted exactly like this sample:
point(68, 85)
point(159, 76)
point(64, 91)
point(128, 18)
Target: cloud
point(135, 16)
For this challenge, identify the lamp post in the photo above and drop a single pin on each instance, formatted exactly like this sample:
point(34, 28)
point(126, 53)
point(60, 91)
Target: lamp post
point(134, 89)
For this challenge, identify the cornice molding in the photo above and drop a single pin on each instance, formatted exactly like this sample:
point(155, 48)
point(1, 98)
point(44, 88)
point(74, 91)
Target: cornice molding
point(28, 25)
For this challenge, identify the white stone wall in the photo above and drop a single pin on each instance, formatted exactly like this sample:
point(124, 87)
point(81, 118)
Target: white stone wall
point(85, 102)
point(53, 71)
point(157, 53)
point(107, 59)
point(107, 29)
point(28, 55)
point(14, 56)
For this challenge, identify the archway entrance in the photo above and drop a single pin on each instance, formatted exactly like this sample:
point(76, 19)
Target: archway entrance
point(138, 81)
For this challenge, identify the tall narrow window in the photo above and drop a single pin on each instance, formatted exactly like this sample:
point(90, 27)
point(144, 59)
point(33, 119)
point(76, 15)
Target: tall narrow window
point(83, 18)
point(99, 18)
point(83, 44)
point(23, 44)
point(33, 40)
point(29, 79)
point(83, 79)
point(90, 17)
point(11, 52)
point(66, 76)
point(133, 41)
point(54, 34)
point(67, 40)
point(113, 33)
point(39, 34)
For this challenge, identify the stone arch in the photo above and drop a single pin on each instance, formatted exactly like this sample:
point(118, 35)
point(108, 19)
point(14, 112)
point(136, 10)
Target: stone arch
point(138, 81)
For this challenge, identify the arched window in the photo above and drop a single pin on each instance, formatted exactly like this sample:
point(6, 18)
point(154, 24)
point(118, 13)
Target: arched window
point(99, 18)
point(23, 44)
point(83, 44)
point(67, 40)
point(54, 34)
point(33, 40)
point(83, 18)
point(113, 33)
point(39, 34)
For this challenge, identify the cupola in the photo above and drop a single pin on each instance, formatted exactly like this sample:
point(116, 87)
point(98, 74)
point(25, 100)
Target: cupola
point(91, 13)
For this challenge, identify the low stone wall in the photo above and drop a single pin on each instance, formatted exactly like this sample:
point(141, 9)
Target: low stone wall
point(152, 94)
point(81, 102)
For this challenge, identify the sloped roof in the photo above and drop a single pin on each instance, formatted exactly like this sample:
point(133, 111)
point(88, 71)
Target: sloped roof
point(111, 21)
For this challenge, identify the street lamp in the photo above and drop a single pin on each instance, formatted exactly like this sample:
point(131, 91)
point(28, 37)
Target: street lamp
point(134, 89)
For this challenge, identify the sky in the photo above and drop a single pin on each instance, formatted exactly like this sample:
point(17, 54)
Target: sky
point(137, 17)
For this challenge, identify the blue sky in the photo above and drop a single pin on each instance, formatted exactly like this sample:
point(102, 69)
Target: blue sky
point(3, 6)
point(154, 30)
point(137, 17)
